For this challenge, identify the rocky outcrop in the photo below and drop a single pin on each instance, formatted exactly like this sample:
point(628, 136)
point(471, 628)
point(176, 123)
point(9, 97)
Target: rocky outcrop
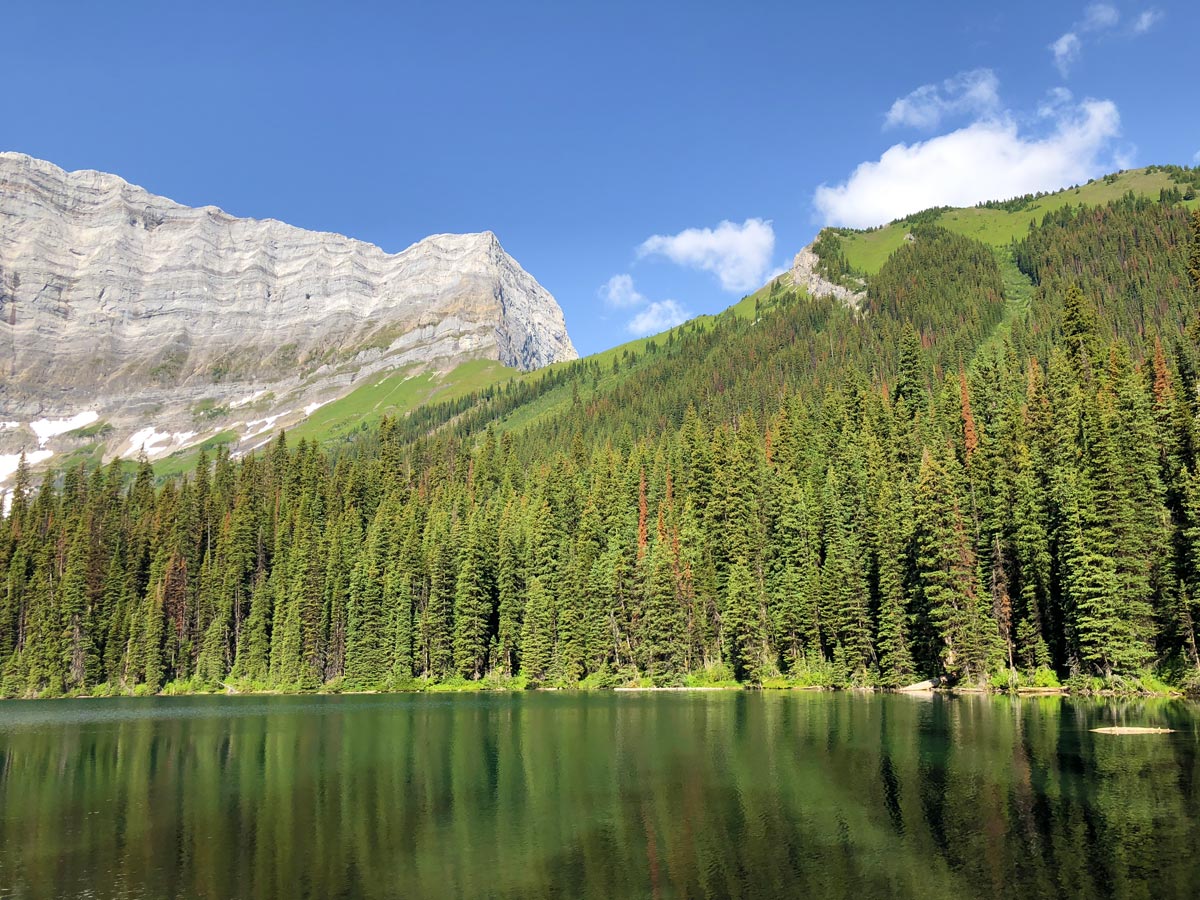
point(805, 275)
point(126, 304)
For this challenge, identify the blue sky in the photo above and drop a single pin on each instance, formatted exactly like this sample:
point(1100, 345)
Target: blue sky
point(643, 161)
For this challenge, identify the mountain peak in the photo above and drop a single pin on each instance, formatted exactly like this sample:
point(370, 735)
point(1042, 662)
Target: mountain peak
point(149, 313)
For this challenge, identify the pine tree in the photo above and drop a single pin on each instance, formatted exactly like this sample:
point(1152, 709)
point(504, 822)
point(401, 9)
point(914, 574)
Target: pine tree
point(910, 379)
point(537, 633)
point(797, 584)
point(398, 601)
point(213, 661)
point(743, 625)
point(1033, 562)
point(510, 591)
point(435, 622)
point(473, 602)
point(254, 650)
point(967, 633)
point(844, 588)
point(1080, 329)
point(1193, 264)
point(368, 654)
point(662, 622)
point(81, 661)
point(572, 615)
point(896, 665)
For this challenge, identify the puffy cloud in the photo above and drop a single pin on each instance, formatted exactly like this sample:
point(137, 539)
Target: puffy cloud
point(989, 159)
point(975, 92)
point(1066, 52)
point(1099, 16)
point(619, 291)
point(1146, 21)
point(739, 255)
point(658, 316)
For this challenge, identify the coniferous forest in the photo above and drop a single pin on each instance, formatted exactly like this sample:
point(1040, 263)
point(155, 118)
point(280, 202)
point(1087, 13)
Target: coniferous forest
point(988, 473)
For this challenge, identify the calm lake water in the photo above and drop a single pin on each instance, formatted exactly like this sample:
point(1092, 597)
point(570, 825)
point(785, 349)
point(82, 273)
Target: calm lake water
point(725, 794)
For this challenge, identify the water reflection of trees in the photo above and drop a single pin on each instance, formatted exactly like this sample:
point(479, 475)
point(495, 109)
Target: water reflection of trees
point(597, 796)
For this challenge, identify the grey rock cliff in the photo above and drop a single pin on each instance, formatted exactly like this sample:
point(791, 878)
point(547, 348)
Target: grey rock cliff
point(126, 304)
point(804, 275)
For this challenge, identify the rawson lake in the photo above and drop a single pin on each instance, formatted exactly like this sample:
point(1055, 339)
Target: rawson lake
point(720, 794)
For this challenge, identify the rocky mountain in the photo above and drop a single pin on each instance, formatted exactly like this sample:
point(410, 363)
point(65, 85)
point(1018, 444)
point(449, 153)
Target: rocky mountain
point(804, 274)
point(157, 325)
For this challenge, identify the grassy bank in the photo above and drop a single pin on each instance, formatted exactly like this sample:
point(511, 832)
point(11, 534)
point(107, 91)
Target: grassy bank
point(1041, 683)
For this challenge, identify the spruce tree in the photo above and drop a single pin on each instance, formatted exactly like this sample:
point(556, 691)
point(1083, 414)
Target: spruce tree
point(662, 621)
point(1193, 264)
point(537, 633)
point(473, 602)
point(947, 575)
point(896, 665)
point(910, 377)
point(368, 654)
point(744, 638)
point(845, 591)
point(797, 583)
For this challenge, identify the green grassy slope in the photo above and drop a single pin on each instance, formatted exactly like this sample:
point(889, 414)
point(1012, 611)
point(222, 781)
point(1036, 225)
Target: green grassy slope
point(1018, 295)
point(392, 393)
point(559, 398)
point(395, 394)
point(868, 250)
point(743, 309)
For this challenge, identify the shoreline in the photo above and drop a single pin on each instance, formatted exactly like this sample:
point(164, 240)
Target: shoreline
point(440, 688)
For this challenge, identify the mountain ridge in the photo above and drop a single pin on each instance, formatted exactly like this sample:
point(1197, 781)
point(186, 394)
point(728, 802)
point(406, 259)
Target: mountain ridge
point(151, 314)
point(952, 482)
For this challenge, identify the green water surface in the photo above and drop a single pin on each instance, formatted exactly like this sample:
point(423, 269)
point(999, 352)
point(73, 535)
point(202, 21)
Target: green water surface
point(671, 795)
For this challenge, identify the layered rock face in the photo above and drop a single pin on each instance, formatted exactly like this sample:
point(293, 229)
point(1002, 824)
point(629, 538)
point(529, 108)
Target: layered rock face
point(804, 275)
point(120, 302)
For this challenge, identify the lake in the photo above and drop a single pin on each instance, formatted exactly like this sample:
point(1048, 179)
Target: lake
point(671, 795)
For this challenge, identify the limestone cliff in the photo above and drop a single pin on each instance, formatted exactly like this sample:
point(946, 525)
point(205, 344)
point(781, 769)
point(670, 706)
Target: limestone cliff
point(129, 306)
point(805, 274)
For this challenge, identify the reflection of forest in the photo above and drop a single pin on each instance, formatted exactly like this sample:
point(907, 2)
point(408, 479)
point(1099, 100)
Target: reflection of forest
point(830, 795)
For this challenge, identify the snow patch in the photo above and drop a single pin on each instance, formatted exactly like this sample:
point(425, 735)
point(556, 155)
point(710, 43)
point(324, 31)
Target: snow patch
point(6, 426)
point(246, 401)
point(48, 428)
point(255, 427)
point(313, 407)
point(257, 446)
point(155, 443)
point(10, 461)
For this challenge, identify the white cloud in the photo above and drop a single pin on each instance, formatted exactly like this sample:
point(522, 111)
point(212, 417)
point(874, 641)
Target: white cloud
point(619, 291)
point(987, 160)
point(656, 317)
point(1099, 16)
point(739, 255)
point(1066, 52)
point(1146, 21)
point(975, 92)
point(1056, 100)
point(1196, 157)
